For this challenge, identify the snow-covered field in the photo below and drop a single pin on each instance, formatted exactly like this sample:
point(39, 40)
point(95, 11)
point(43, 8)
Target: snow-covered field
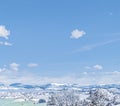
point(10, 102)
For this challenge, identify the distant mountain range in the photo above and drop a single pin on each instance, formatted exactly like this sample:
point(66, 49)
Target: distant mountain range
point(56, 86)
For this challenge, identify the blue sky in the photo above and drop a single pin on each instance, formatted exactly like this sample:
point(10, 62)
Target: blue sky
point(65, 41)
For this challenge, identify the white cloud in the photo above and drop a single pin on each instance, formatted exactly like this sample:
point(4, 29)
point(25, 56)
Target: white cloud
point(4, 32)
point(98, 67)
point(3, 69)
point(14, 66)
point(95, 67)
point(85, 73)
point(76, 34)
point(33, 65)
point(6, 43)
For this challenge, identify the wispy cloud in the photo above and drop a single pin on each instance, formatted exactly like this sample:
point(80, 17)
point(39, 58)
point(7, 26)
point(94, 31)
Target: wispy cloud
point(31, 65)
point(4, 32)
point(3, 69)
point(95, 67)
point(87, 67)
point(76, 34)
point(5, 43)
point(90, 47)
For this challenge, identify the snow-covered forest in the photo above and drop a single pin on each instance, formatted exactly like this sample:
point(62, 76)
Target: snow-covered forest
point(98, 97)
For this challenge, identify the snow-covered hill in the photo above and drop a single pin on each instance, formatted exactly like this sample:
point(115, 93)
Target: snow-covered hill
point(58, 87)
